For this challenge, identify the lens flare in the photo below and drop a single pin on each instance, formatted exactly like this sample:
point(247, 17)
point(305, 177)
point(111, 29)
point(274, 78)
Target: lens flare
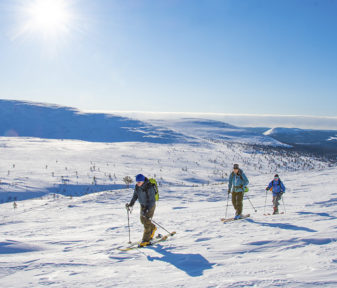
point(50, 17)
point(49, 21)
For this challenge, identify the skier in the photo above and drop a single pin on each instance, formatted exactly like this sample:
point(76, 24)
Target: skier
point(145, 193)
point(237, 183)
point(278, 189)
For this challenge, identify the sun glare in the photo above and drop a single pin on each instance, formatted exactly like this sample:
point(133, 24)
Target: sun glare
point(48, 15)
point(46, 19)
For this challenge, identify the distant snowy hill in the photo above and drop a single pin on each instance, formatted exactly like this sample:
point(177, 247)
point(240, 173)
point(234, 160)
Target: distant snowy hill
point(218, 131)
point(324, 140)
point(56, 122)
point(27, 119)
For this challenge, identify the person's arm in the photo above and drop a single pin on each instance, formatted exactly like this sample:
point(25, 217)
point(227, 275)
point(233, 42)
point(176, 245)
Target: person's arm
point(134, 198)
point(245, 180)
point(270, 185)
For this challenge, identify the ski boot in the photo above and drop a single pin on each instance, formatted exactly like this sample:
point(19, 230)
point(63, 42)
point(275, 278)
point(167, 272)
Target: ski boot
point(143, 244)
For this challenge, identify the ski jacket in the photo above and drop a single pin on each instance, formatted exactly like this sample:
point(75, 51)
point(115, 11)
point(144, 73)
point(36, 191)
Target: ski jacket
point(237, 181)
point(277, 187)
point(145, 195)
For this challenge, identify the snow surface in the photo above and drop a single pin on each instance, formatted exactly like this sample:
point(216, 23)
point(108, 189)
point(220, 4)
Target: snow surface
point(70, 216)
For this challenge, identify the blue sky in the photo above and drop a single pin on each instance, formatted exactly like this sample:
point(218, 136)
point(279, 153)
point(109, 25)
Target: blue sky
point(229, 56)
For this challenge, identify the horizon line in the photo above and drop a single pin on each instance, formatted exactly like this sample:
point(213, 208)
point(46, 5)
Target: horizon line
point(104, 111)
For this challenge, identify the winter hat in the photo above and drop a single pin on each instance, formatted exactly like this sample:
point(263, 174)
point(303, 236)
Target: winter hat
point(140, 178)
point(236, 166)
point(276, 176)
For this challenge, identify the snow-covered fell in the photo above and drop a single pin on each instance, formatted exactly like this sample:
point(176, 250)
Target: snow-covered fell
point(27, 119)
point(63, 214)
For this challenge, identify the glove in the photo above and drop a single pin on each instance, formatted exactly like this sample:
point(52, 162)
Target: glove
point(267, 189)
point(127, 205)
point(229, 191)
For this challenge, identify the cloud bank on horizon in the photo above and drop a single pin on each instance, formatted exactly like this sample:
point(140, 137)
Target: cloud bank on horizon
point(244, 120)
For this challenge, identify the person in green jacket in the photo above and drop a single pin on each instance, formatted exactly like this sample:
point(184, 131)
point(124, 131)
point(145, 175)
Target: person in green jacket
point(237, 183)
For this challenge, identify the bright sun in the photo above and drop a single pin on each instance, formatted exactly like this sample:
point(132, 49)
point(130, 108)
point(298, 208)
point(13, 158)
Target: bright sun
point(47, 19)
point(48, 15)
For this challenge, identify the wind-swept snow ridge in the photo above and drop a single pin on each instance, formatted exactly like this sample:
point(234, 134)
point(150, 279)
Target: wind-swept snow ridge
point(26, 119)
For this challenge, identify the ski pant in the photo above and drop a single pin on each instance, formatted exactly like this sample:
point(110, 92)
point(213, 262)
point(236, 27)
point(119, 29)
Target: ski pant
point(148, 225)
point(237, 199)
point(276, 200)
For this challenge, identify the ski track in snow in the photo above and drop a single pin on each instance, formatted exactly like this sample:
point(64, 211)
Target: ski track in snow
point(71, 239)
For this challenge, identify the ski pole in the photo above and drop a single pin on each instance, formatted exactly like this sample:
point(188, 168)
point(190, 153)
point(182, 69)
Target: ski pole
point(227, 205)
point(284, 207)
point(251, 203)
point(128, 212)
point(265, 203)
point(154, 222)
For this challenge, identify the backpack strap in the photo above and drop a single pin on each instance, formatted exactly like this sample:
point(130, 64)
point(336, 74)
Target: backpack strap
point(279, 182)
point(239, 174)
point(146, 188)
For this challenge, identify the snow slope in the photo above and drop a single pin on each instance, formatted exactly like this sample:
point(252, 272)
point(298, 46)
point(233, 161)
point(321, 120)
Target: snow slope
point(62, 215)
point(217, 130)
point(29, 119)
point(69, 235)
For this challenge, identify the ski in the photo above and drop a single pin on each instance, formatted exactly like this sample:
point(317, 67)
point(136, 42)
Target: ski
point(159, 238)
point(225, 220)
point(270, 214)
point(162, 238)
point(131, 246)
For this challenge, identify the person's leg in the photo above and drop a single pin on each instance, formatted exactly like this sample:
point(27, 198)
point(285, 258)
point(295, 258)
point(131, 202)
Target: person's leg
point(275, 204)
point(239, 203)
point(234, 202)
point(148, 225)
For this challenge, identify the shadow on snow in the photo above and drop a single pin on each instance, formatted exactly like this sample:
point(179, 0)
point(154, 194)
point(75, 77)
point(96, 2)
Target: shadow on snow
point(62, 189)
point(317, 214)
point(285, 226)
point(330, 203)
point(14, 247)
point(80, 190)
point(193, 265)
point(26, 119)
